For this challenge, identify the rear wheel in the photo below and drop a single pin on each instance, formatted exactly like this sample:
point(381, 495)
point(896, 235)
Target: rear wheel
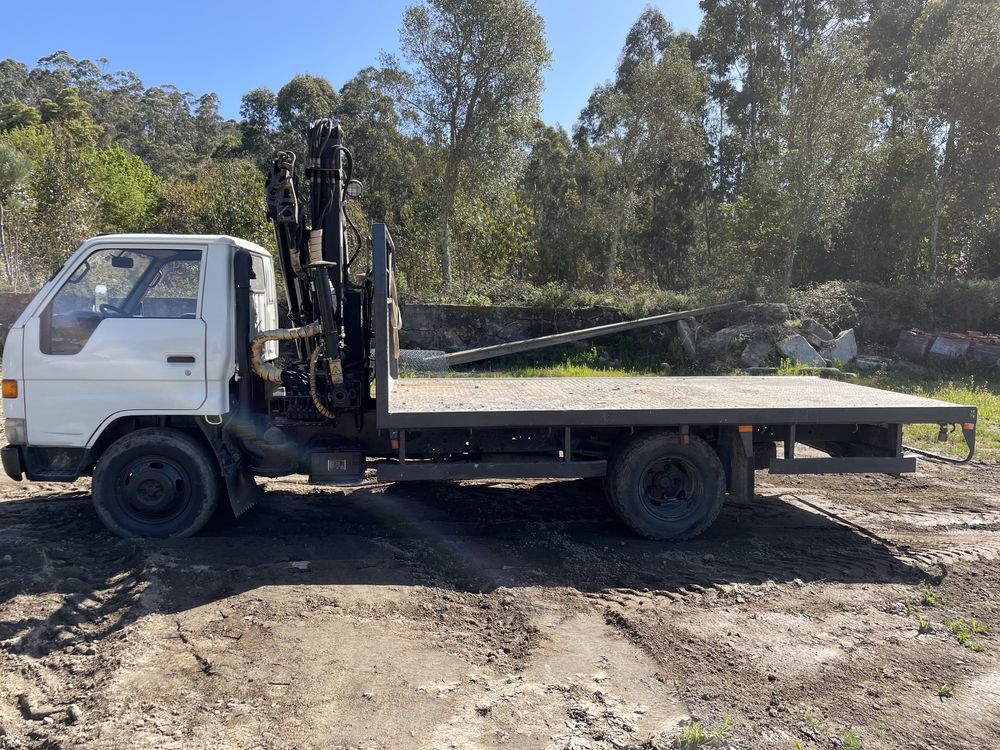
point(663, 488)
point(155, 483)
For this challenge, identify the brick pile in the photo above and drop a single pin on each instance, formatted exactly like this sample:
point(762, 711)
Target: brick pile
point(930, 348)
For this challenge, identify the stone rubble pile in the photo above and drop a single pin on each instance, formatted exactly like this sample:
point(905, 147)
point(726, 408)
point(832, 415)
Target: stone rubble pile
point(765, 335)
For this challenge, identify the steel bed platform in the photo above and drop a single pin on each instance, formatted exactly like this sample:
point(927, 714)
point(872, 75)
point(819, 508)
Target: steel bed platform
point(416, 403)
point(429, 419)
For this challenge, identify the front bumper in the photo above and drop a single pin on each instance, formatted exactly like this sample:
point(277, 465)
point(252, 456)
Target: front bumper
point(11, 457)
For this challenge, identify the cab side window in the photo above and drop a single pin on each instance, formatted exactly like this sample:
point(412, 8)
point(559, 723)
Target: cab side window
point(174, 292)
point(116, 283)
point(258, 300)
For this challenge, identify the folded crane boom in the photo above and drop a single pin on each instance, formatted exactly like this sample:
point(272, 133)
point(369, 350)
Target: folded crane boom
point(313, 253)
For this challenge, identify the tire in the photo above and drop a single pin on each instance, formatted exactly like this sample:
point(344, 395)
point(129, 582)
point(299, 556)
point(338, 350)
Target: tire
point(664, 490)
point(155, 483)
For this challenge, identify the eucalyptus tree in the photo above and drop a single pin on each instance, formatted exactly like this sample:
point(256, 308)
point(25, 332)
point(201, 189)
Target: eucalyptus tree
point(258, 123)
point(648, 121)
point(474, 78)
point(14, 170)
point(299, 103)
point(388, 159)
point(956, 44)
point(826, 128)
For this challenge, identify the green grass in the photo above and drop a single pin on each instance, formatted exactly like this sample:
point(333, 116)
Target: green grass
point(571, 371)
point(923, 624)
point(694, 736)
point(929, 597)
point(964, 632)
point(850, 740)
point(564, 362)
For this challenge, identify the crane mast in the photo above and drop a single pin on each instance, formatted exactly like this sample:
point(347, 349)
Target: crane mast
point(322, 289)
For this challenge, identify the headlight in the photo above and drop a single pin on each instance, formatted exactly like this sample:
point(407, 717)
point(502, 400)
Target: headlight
point(17, 431)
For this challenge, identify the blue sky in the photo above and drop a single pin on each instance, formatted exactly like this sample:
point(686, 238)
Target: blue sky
point(229, 47)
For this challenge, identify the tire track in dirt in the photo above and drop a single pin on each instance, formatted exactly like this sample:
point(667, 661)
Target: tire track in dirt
point(515, 614)
point(67, 595)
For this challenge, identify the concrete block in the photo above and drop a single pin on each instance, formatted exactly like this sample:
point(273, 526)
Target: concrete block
point(872, 363)
point(843, 349)
point(948, 348)
point(913, 345)
point(756, 352)
point(815, 328)
point(770, 312)
point(986, 352)
point(797, 349)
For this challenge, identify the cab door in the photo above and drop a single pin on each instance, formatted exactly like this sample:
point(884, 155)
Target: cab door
point(123, 333)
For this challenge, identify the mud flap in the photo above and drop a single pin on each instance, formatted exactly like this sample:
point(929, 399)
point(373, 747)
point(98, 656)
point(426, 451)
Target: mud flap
point(244, 492)
point(736, 452)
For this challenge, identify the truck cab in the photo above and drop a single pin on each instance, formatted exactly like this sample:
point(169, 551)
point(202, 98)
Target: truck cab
point(132, 329)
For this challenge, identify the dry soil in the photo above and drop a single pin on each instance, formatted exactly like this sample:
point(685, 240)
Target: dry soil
point(507, 615)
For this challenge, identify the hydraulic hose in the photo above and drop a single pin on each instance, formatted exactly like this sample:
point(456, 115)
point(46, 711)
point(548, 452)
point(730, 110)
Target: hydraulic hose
point(313, 390)
point(266, 370)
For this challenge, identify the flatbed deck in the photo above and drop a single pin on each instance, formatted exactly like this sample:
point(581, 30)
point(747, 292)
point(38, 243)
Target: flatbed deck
point(508, 402)
point(427, 403)
point(472, 428)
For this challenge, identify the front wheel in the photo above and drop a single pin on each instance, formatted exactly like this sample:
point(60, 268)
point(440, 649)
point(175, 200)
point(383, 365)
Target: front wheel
point(665, 488)
point(155, 483)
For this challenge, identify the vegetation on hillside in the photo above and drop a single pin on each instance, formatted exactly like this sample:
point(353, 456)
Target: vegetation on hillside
point(785, 144)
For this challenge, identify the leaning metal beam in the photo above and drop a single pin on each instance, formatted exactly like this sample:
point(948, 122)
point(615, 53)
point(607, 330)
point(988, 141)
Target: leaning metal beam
point(527, 345)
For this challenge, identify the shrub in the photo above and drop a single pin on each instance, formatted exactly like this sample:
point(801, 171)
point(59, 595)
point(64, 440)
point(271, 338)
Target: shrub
point(831, 303)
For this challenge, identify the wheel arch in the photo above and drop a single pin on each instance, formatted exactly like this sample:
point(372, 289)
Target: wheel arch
point(121, 426)
point(236, 482)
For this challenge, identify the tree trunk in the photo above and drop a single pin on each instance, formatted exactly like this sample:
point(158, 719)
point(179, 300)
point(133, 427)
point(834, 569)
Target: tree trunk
point(793, 244)
point(447, 208)
point(445, 251)
point(5, 251)
point(932, 260)
point(612, 259)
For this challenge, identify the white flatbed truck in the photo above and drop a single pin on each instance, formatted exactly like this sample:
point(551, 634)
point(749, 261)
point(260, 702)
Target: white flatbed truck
point(151, 363)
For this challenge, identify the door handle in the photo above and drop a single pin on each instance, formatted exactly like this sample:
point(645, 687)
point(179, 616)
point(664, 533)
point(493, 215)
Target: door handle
point(181, 359)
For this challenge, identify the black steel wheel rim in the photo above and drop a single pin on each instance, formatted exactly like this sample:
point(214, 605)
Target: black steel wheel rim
point(670, 488)
point(154, 489)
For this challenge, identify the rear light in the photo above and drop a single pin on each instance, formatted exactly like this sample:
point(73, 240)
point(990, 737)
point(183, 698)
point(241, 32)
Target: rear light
point(10, 389)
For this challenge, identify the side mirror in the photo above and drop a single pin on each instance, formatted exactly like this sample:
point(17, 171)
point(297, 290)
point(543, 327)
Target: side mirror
point(121, 261)
point(354, 189)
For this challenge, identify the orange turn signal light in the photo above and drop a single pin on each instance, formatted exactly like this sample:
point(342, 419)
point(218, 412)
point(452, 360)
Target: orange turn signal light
point(745, 428)
point(10, 389)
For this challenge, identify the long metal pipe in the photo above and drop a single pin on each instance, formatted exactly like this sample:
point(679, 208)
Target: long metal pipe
point(527, 345)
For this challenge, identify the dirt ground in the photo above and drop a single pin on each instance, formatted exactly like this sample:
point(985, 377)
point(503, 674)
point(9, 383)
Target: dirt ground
point(507, 615)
